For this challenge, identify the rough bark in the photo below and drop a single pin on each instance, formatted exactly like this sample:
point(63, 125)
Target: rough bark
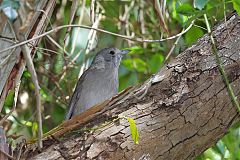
point(186, 109)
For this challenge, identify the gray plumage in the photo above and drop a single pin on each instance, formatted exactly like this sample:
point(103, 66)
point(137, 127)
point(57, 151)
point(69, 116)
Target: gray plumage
point(98, 83)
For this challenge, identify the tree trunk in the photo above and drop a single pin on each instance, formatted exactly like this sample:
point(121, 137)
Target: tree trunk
point(180, 112)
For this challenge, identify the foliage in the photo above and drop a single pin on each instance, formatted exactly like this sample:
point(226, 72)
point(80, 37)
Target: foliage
point(133, 130)
point(58, 69)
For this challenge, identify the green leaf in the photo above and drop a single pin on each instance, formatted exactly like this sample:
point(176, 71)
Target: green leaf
point(135, 64)
point(34, 127)
point(133, 129)
point(9, 99)
point(45, 95)
point(27, 123)
point(211, 154)
point(199, 4)
point(193, 35)
point(155, 62)
point(186, 9)
point(135, 50)
point(139, 65)
point(128, 64)
point(127, 78)
point(236, 6)
point(199, 13)
point(26, 74)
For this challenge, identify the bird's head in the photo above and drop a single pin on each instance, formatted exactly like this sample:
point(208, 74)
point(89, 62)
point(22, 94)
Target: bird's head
point(109, 57)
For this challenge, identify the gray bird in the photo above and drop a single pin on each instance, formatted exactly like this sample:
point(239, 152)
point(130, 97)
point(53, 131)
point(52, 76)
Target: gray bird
point(98, 83)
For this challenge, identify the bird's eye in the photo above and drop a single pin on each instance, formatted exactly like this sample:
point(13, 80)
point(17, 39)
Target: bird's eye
point(112, 52)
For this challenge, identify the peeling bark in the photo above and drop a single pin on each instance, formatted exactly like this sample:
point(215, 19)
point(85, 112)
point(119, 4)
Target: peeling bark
point(186, 109)
point(11, 63)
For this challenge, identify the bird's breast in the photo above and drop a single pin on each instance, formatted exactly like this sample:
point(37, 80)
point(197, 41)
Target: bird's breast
point(101, 86)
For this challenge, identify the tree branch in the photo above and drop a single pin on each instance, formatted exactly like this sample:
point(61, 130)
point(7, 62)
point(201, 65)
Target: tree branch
point(97, 29)
point(186, 109)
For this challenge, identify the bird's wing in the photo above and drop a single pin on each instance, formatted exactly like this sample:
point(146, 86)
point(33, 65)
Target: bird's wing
point(84, 86)
point(76, 94)
point(94, 86)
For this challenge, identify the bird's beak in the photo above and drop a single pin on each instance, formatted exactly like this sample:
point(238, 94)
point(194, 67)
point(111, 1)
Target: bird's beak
point(123, 52)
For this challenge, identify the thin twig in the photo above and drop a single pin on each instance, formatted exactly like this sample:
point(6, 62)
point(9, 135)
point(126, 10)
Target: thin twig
point(200, 27)
point(72, 14)
point(43, 49)
point(225, 20)
point(142, 21)
point(92, 13)
point(7, 155)
point(220, 66)
point(44, 12)
point(90, 41)
point(74, 43)
point(27, 56)
point(125, 21)
point(20, 150)
point(54, 95)
point(5, 60)
point(172, 49)
point(56, 44)
point(141, 40)
point(160, 16)
point(67, 66)
point(7, 39)
point(163, 6)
